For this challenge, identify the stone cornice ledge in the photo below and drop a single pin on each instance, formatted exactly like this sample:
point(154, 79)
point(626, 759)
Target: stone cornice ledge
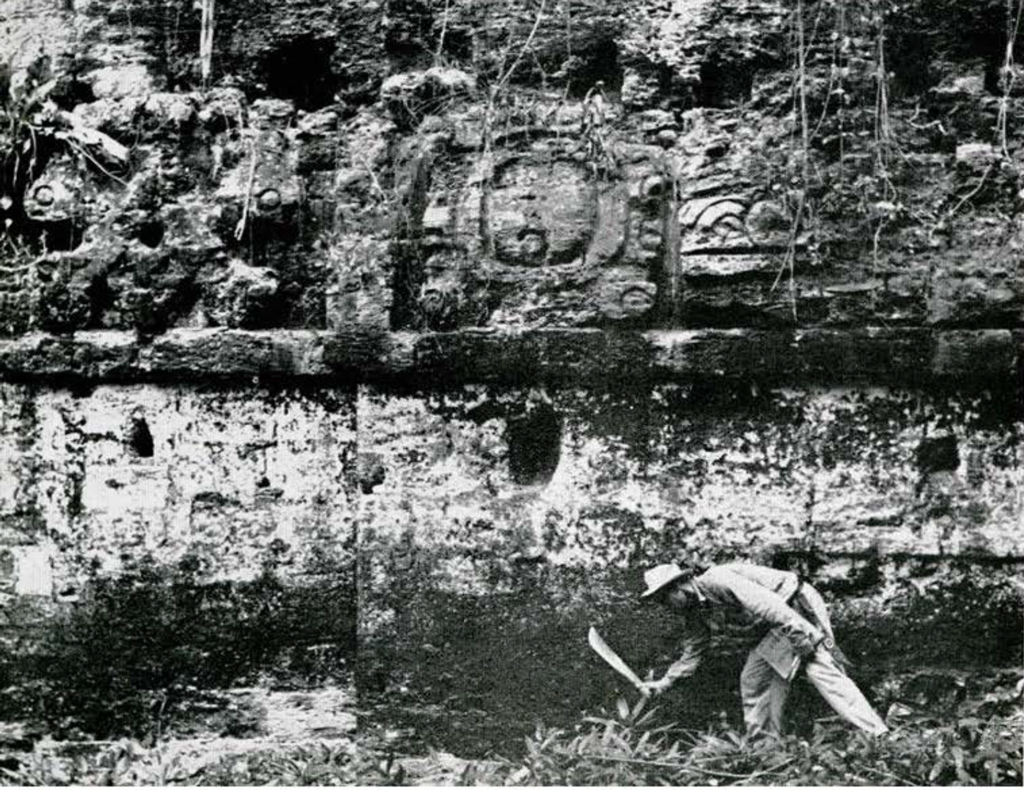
point(898, 356)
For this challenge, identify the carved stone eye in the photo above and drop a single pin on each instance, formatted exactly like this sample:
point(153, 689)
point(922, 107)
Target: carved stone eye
point(653, 187)
point(269, 199)
point(44, 196)
point(636, 302)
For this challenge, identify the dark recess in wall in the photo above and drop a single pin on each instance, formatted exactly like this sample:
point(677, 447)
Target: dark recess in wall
point(59, 236)
point(724, 84)
point(938, 453)
point(140, 439)
point(150, 233)
point(600, 67)
point(534, 443)
point(950, 31)
point(300, 70)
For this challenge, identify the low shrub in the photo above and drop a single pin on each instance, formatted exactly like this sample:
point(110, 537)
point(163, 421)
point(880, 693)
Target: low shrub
point(627, 749)
point(979, 743)
point(129, 763)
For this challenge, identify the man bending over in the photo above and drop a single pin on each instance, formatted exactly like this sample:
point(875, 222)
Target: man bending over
point(800, 632)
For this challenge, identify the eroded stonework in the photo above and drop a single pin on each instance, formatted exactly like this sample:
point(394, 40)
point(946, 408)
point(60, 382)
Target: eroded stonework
point(527, 234)
point(639, 169)
point(233, 479)
point(273, 309)
point(499, 522)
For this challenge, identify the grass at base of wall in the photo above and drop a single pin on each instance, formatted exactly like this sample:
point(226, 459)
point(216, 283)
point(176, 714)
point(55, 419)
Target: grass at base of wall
point(979, 742)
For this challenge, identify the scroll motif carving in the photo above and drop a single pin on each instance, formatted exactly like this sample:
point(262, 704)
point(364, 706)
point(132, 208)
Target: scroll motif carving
point(732, 234)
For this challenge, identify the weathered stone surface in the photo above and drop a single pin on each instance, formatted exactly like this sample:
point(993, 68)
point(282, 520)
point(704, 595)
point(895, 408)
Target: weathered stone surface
point(101, 355)
point(222, 472)
point(638, 317)
point(234, 353)
point(210, 353)
point(177, 494)
point(869, 354)
point(810, 438)
point(364, 352)
point(33, 26)
point(467, 551)
point(990, 296)
point(412, 95)
point(641, 143)
point(987, 354)
point(243, 298)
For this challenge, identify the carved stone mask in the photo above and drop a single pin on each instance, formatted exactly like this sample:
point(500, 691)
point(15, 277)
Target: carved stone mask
point(541, 214)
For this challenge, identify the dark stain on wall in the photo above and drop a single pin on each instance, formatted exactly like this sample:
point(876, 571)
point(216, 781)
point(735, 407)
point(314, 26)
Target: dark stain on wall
point(938, 453)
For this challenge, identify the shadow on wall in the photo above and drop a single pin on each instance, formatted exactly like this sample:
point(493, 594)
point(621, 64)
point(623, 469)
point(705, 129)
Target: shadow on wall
point(137, 651)
point(534, 436)
point(478, 673)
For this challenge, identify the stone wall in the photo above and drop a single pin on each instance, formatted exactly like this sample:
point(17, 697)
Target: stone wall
point(498, 525)
point(488, 306)
point(511, 165)
point(228, 514)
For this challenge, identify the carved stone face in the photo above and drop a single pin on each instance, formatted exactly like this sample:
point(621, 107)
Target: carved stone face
point(59, 194)
point(533, 238)
point(540, 214)
point(263, 185)
point(275, 188)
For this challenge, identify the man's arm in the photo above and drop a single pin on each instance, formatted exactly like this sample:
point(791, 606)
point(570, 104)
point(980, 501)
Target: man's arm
point(695, 645)
point(766, 605)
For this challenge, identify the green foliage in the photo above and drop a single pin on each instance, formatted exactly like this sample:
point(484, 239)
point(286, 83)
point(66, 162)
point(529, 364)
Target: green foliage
point(629, 750)
point(24, 108)
point(306, 766)
point(33, 126)
point(126, 763)
point(624, 748)
point(978, 743)
point(129, 763)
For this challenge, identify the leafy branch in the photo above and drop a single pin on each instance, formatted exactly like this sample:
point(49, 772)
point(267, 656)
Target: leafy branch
point(32, 125)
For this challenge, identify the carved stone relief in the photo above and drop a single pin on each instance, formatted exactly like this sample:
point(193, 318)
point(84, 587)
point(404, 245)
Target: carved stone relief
point(529, 234)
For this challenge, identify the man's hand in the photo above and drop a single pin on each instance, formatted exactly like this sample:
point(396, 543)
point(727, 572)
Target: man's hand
point(652, 688)
point(806, 645)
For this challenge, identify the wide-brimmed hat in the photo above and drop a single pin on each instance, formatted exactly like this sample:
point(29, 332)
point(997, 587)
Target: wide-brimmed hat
point(660, 576)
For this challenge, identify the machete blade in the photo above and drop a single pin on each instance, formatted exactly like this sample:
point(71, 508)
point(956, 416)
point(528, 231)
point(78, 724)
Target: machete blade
point(612, 659)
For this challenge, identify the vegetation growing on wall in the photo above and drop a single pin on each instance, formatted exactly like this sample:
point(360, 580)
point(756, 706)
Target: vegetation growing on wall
point(860, 124)
point(878, 158)
point(32, 126)
point(35, 125)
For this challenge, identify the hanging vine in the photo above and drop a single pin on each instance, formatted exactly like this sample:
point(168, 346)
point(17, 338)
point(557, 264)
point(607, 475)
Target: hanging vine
point(206, 40)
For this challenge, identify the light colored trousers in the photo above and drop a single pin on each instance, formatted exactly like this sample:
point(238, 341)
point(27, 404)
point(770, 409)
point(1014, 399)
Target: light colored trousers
point(764, 692)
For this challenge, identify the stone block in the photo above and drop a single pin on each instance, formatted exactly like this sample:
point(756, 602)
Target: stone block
point(979, 356)
point(33, 570)
point(976, 157)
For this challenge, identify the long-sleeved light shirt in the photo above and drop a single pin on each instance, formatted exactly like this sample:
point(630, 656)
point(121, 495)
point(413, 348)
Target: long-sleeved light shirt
point(758, 593)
